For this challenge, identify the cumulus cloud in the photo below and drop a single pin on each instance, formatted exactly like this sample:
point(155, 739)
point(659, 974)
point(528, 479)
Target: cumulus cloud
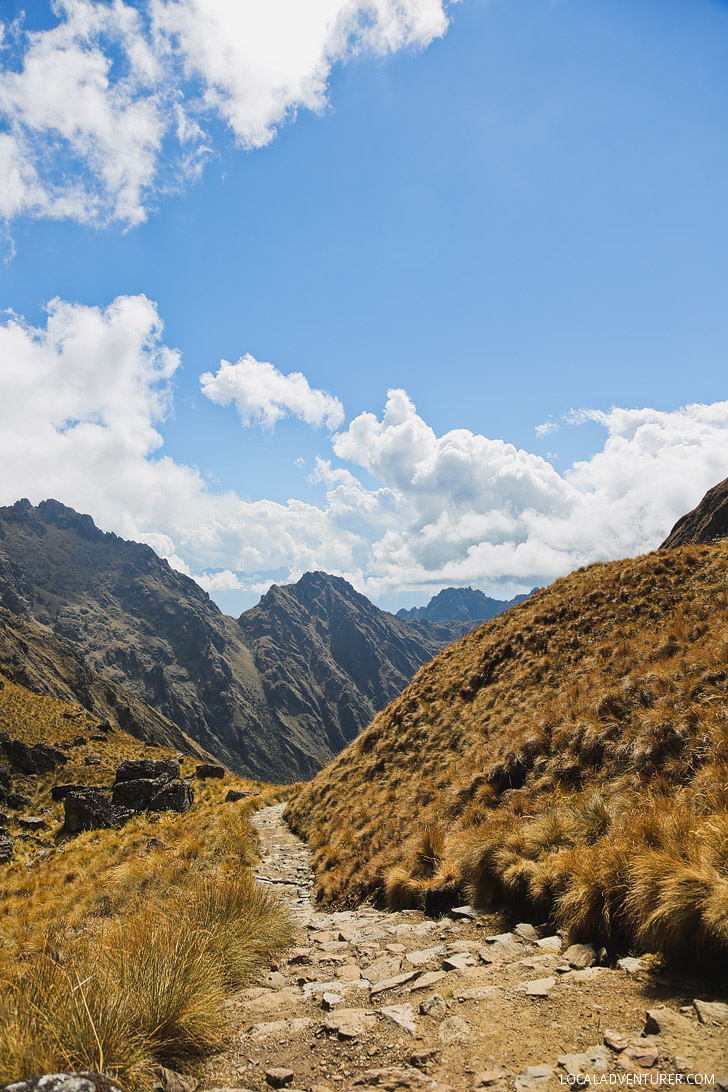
point(102, 111)
point(81, 402)
point(83, 399)
point(263, 395)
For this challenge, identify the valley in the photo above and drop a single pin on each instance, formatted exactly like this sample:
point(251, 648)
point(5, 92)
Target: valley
point(514, 878)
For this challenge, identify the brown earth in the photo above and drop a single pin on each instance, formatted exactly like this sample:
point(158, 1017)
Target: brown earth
point(479, 1028)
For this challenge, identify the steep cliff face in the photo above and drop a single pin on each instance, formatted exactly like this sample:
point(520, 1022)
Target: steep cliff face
point(273, 695)
point(708, 522)
point(33, 657)
point(143, 625)
point(329, 659)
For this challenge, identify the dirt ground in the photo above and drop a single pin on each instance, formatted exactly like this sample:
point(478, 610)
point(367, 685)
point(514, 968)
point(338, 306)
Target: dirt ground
point(397, 1001)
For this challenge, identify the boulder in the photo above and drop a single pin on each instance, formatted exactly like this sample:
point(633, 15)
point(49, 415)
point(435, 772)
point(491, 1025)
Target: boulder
point(60, 792)
point(40, 758)
point(147, 769)
point(16, 800)
point(209, 769)
point(711, 1012)
point(5, 778)
point(580, 956)
point(233, 795)
point(157, 794)
point(87, 809)
point(6, 845)
point(137, 794)
point(174, 796)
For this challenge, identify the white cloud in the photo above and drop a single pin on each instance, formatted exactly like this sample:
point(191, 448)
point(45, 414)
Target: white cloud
point(263, 395)
point(82, 404)
point(547, 428)
point(102, 111)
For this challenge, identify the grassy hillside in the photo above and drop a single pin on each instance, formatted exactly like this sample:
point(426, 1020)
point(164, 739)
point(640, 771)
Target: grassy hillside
point(570, 757)
point(119, 947)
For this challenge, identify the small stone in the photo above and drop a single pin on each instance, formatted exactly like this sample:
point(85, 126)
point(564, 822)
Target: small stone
point(711, 1012)
point(393, 983)
point(458, 962)
point(630, 964)
point(329, 1000)
point(501, 950)
point(279, 1078)
point(540, 987)
point(454, 1030)
point(423, 1057)
point(31, 822)
point(299, 955)
point(534, 1078)
point(549, 944)
point(616, 1041)
point(468, 912)
point(425, 955)
point(276, 980)
point(92, 759)
point(596, 1059)
point(176, 1082)
point(349, 972)
point(350, 1023)
point(488, 1077)
point(428, 980)
point(664, 1021)
point(580, 956)
point(477, 993)
point(434, 1006)
point(587, 975)
point(401, 1015)
point(526, 931)
point(644, 1056)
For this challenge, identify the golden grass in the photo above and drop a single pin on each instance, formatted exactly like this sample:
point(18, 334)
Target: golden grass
point(569, 758)
point(114, 955)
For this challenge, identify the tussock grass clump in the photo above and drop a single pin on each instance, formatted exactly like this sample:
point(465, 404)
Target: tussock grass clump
point(115, 954)
point(571, 756)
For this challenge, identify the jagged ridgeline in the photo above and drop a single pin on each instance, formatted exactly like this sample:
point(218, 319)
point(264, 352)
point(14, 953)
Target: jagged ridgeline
point(274, 694)
point(570, 757)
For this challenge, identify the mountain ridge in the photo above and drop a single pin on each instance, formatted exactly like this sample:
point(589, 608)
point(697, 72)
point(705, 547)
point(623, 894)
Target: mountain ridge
point(273, 694)
point(461, 605)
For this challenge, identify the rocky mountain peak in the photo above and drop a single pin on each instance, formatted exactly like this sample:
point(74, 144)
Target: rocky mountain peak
point(706, 523)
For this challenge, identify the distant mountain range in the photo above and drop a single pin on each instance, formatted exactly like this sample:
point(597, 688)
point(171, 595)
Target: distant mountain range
point(274, 694)
point(461, 605)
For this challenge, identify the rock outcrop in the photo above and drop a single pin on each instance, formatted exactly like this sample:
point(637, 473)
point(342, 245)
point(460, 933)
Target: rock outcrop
point(707, 523)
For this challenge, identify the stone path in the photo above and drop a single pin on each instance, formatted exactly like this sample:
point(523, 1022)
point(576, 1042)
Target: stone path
point(369, 1000)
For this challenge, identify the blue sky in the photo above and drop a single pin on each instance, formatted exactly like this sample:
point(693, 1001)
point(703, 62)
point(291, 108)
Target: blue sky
point(513, 211)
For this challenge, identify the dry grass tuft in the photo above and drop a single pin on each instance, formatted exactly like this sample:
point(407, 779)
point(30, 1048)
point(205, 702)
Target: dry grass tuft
point(115, 955)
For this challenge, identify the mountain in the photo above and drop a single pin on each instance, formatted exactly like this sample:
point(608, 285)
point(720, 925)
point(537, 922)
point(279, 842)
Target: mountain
point(34, 658)
point(708, 522)
point(273, 695)
point(145, 626)
point(329, 659)
point(569, 758)
point(460, 605)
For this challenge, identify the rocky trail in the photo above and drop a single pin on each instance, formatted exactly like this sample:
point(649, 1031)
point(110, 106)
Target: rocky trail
point(369, 999)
